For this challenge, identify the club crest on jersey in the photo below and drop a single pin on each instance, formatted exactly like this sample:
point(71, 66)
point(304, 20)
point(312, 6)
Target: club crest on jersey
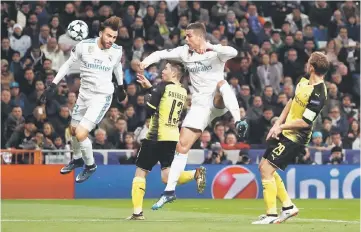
point(90, 49)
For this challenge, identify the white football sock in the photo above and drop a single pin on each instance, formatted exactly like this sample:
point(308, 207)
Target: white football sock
point(178, 165)
point(230, 101)
point(76, 148)
point(87, 151)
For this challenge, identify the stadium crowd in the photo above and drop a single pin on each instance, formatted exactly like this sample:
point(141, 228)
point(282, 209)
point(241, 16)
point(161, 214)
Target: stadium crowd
point(274, 40)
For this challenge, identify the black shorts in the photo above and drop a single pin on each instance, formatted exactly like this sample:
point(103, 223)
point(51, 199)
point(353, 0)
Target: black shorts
point(153, 151)
point(283, 152)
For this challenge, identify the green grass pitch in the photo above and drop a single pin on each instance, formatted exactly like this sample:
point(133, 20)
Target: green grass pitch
point(183, 216)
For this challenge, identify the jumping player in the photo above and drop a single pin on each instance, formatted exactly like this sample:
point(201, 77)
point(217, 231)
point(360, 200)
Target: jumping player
point(164, 107)
point(289, 136)
point(99, 58)
point(212, 95)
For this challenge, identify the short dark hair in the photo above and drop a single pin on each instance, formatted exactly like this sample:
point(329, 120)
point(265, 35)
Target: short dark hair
point(179, 67)
point(198, 27)
point(320, 63)
point(112, 23)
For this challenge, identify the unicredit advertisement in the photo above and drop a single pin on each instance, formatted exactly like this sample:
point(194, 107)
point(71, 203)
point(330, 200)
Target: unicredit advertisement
point(229, 182)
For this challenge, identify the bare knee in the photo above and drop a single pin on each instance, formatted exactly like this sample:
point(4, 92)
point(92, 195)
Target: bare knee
point(140, 173)
point(266, 170)
point(72, 130)
point(220, 83)
point(183, 146)
point(164, 175)
point(81, 133)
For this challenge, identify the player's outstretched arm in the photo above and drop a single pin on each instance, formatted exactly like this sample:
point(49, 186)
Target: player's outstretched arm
point(155, 57)
point(118, 72)
point(224, 52)
point(63, 70)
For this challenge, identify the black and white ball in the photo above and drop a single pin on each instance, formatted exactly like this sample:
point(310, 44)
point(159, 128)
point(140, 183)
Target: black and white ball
point(78, 30)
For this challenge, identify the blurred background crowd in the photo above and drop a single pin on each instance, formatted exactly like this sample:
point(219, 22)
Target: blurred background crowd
point(274, 40)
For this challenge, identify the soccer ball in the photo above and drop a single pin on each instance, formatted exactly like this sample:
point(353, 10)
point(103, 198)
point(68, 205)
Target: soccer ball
point(78, 30)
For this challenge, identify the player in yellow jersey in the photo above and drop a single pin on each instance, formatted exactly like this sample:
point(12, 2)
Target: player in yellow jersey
point(164, 107)
point(289, 136)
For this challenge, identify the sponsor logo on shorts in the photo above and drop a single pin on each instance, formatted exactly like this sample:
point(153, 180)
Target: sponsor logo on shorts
point(234, 182)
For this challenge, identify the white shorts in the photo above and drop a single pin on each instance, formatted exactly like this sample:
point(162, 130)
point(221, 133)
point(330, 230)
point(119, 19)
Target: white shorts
point(202, 113)
point(90, 108)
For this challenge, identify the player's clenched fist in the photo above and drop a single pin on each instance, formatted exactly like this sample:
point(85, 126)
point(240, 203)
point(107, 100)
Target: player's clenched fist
point(48, 93)
point(142, 66)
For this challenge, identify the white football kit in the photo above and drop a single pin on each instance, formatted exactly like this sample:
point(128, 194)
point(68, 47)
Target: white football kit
point(205, 71)
point(96, 87)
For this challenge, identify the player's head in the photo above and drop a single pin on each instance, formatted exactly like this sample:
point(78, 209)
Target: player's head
point(109, 31)
point(318, 64)
point(173, 71)
point(195, 35)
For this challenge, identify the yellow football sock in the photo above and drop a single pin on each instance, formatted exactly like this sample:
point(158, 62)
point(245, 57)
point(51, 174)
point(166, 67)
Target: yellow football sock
point(138, 191)
point(282, 194)
point(269, 195)
point(185, 177)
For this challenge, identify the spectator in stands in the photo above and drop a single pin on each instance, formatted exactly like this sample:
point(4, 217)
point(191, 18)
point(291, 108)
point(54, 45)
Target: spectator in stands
point(353, 136)
point(255, 111)
point(132, 119)
point(297, 20)
point(68, 15)
point(293, 67)
point(22, 135)
point(13, 121)
point(109, 122)
point(280, 104)
point(118, 138)
point(232, 144)
point(218, 133)
point(37, 57)
point(61, 121)
point(269, 99)
point(217, 156)
point(336, 157)
point(259, 127)
point(320, 15)
point(44, 35)
point(6, 51)
point(305, 157)
point(338, 121)
point(347, 108)
point(342, 40)
point(204, 142)
point(130, 142)
point(243, 158)
point(317, 142)
point(100, 141)
point(19, 98)
point(6, 76)
point(33, 29)
point(49, 132)
point(71, 101)
point(268, 74)
point(19, 41)
point(53, 52)
point(335, 23)
point(349, 9)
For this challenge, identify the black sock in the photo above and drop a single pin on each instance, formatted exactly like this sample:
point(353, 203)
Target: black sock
point(272, 215)
point(90, 166)
point(168, 193)
point(287, 208)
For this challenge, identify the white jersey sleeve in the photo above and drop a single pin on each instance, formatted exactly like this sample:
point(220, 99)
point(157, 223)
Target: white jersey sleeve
point(118, 70)
point(224, 52)
point(75, 55)
point(176, 54)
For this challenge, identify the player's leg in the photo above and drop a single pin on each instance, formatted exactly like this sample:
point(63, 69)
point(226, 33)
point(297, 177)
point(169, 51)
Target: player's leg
point(94, 114)
point(166, 157)
point(225, 98)
point(77, 114)
point(187, 138)
point(147, 158)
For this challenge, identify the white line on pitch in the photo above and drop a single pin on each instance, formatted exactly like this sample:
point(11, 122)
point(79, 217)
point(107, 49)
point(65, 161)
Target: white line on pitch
point(79, 220)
